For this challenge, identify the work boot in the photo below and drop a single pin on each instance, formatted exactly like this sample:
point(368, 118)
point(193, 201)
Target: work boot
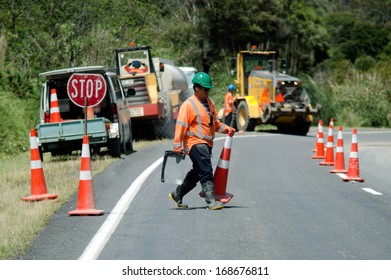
point(177, 198)
point(212, 204)
point(181, 191)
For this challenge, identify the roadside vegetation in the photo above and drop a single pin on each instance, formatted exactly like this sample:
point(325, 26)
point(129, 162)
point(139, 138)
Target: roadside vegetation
point(340, 49)
point(21, 221)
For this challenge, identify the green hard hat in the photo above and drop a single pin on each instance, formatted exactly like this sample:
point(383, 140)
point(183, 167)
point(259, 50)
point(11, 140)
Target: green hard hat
point(202, 79)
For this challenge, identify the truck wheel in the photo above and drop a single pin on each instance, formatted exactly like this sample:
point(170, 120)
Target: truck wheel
point(243, 120)
point(299, 127)
point(284, 128)
point(40, 152)
point(302, 127)
point(95, 150)
point(233, 122)
point(115, 147)
point(165, 127)
point(266, 112)
point(127, 141)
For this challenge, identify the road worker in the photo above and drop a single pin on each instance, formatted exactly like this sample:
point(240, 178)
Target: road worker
point(194, 133)
point(229, 105)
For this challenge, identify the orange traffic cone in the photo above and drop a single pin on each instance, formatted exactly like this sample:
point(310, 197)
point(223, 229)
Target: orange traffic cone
point(221, 172)
point(54, 107)
point(85, 198)
point(329, 158)
point(339, 166)
point(38, 184)
point(265, 98)
point(353, 170)
point(320, 143)
point(317, 135)
point(280, 98)
point(90, 113)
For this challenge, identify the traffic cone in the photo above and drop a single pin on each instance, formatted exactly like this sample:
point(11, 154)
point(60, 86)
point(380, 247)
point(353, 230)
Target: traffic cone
point(221, 172)
point(54, 107)
point(353, 170)
point(38, 184)
point(317, 135)
point(90, 113)
point(85, 198)
point(320, 143)
point(265, 98)
point(329, 158)
point(339, 166)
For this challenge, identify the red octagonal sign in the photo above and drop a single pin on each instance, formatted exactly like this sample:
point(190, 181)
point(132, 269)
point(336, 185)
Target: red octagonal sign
point(92, 86)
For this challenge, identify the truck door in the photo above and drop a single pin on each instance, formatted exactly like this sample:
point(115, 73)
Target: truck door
point(44, 103)
point(117, 98)
point(124, 121)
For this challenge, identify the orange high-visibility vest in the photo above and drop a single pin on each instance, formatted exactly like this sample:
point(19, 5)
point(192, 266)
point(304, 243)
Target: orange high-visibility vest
point(228, 103)
point(192, 126)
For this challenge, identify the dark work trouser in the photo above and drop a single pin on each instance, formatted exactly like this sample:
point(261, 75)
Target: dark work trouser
point(228, 119)
point(201, 157)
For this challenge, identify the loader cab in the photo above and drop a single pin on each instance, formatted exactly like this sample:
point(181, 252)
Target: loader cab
point(258, 62)
point(282, 65)
point(247, 61)
point(233, 70)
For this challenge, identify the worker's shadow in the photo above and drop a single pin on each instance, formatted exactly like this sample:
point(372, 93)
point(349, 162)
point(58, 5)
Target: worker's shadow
point(204, 207)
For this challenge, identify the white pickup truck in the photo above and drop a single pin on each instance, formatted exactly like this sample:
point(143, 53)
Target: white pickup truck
point(110, 126)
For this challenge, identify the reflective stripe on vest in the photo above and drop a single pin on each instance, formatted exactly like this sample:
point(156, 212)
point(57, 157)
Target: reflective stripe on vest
point(199, 128)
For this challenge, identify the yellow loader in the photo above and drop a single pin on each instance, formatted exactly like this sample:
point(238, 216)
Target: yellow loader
point(265, 94)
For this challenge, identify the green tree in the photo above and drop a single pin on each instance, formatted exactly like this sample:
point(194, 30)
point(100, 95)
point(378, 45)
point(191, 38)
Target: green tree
point(307, 39)
point(352, 38)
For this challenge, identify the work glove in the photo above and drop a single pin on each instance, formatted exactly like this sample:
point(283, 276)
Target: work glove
point(179, 150)
point(229, 130)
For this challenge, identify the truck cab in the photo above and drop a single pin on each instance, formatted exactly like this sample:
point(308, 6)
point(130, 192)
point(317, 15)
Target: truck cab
point(109, 123)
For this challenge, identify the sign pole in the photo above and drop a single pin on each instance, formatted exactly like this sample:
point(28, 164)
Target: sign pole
point(85, 115)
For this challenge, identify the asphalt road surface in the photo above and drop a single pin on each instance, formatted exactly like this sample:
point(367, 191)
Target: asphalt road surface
point(285, 207)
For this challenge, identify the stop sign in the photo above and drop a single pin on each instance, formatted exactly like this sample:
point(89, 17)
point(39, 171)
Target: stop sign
point(90, 86)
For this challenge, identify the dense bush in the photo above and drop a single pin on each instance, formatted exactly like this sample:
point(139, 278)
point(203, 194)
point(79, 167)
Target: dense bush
point(21, 115)
point(341, 49)
point(359, 98)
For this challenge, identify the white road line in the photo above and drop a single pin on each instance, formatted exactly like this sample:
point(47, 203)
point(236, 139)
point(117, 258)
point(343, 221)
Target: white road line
point(368, 190)
point(100, 239)
point(371, 191)
point(342, 175)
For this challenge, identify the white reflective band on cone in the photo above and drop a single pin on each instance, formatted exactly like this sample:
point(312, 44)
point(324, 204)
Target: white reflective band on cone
point(33, 143)
point(85, 152)
point(85, 175)
point(228, 143)
point(339, 149)
point(353, 154)
point(54, 110)
point(223, 164)
point(35, 164)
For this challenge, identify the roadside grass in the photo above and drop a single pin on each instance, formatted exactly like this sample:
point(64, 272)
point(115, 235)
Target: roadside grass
point(21, 221)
